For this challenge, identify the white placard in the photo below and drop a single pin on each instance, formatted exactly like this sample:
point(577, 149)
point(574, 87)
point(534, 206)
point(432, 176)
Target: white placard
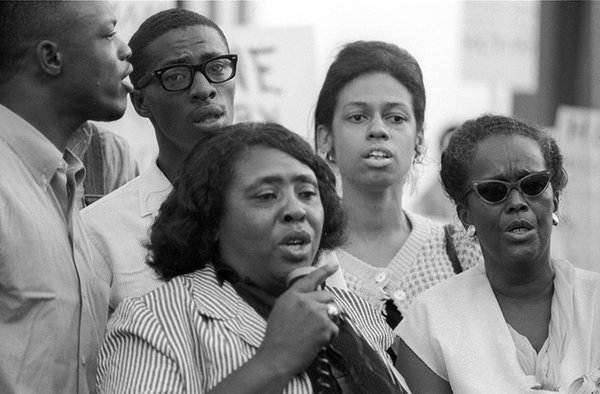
point(577, 238)
point(500, 43)
point(276, 75)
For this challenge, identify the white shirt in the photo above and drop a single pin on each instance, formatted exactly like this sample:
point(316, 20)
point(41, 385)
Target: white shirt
point(53, 302)
point(117, 226)
point(458, 330)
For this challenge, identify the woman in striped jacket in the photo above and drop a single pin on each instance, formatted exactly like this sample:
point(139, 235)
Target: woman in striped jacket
point(252, 205)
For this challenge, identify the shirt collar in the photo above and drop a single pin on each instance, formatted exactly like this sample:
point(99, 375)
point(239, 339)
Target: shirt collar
point(74, 165)
point(81, 139)
point(222, 302)
point(36, 151)
point(154, 187)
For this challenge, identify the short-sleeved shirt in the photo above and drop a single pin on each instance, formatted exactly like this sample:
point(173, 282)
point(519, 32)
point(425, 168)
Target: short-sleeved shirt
point(458, 330)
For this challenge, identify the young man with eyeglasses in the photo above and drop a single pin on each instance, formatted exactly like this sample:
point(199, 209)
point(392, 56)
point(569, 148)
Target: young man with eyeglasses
point(61, 65)
point(184, 84)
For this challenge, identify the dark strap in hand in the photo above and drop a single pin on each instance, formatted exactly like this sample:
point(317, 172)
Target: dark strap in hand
point(358, 368)
point(349, 365)
point(450, 250)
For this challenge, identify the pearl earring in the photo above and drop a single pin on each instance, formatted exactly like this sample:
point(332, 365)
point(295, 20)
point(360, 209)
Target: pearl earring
point(471, 231)
point(555, 219)
point(330, 156)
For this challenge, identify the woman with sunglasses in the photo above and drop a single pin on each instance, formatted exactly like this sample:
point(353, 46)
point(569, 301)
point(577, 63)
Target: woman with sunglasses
point(522, 321)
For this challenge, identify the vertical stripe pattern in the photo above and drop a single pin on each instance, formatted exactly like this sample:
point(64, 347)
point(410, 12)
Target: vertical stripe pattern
point(189, 334)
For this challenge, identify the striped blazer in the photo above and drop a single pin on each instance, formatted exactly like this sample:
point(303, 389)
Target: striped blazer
point(189, 334)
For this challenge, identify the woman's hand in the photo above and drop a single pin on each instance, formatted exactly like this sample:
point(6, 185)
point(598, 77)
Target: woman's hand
point(299, 325)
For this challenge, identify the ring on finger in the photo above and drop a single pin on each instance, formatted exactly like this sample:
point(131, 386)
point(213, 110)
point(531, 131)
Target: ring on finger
point(334, 312)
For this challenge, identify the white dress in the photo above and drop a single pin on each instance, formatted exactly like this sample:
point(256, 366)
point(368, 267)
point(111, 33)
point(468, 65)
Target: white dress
point(458, 330)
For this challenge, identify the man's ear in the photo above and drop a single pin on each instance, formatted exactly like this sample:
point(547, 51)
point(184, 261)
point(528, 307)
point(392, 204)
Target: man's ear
point(324, 141)
point(463, 215)
point(555, 200)
point(49, 57)
point(138, 99)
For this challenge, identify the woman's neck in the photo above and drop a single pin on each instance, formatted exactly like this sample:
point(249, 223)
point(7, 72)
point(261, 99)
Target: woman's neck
point(526, 285)
point(373, 210)
point(377, 225)
point(526, 303)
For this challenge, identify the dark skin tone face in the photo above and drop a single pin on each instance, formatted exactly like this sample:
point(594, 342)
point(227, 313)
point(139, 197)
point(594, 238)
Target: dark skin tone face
point(180, 117)
point(273, 218)
point(506, 245)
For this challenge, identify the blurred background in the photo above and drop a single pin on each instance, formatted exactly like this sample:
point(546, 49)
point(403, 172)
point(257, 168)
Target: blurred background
point(538, 60)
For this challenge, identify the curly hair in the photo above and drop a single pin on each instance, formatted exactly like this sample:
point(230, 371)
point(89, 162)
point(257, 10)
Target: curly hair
point(365, 57)
point(183, 238)
point(458, 156)
point(157, 25)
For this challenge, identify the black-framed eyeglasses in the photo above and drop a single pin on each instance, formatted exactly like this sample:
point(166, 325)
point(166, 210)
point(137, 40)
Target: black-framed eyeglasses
point(495, 191)
point(181, 76)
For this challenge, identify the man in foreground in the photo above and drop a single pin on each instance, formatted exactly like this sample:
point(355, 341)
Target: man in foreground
point(61, 65)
